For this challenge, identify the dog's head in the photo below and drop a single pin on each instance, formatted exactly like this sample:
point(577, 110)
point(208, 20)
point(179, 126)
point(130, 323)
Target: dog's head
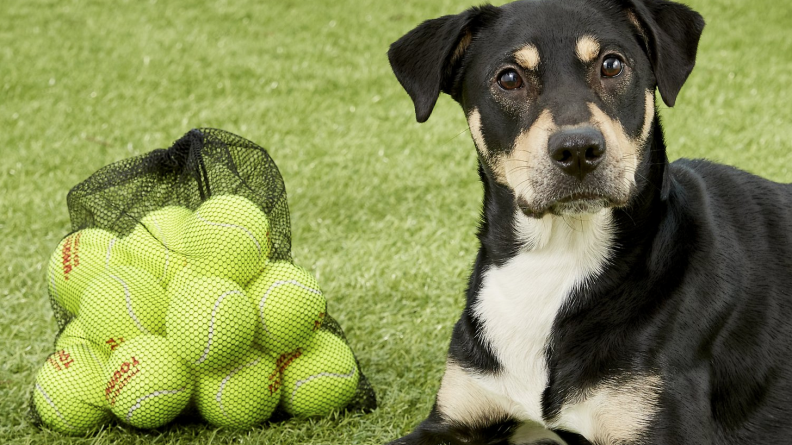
point(559, 95)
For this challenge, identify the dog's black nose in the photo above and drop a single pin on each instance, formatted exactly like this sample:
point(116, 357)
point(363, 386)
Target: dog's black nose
point(578, 151)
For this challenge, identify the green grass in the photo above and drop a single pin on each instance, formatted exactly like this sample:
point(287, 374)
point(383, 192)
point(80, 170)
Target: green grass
point(383, 210)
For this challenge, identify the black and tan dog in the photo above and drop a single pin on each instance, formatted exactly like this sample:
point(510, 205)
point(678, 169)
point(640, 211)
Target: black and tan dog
point(616, 298)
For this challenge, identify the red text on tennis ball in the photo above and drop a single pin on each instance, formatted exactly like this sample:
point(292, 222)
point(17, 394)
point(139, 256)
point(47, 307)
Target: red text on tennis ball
point(68, 391)
point(322, 378)
point(78, 258)
point(240, 395)
point(146, 383)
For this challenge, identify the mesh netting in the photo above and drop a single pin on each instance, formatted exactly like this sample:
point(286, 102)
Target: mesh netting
point(176, 288)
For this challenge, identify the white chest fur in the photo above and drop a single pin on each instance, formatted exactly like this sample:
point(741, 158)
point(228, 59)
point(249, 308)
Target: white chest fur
point(518, 302)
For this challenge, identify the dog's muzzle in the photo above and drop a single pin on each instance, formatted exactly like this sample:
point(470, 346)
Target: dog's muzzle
point(577, 152)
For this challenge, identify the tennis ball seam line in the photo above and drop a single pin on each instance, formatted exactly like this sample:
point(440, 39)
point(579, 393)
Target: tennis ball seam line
point(233, 226)
point(140, 400)
point(219, 395)
point(109, 253)
point(130, 309)
point(299, 383)
point(211, 324)
point(266, 295)
point(52, 404)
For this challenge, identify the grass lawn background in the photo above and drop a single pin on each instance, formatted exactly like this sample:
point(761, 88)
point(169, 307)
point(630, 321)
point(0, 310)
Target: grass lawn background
point(383, 209)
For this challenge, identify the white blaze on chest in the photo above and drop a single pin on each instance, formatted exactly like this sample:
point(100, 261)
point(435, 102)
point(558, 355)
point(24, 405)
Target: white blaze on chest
point(518, 302)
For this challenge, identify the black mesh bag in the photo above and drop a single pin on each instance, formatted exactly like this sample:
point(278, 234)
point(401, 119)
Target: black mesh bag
point(176, 288)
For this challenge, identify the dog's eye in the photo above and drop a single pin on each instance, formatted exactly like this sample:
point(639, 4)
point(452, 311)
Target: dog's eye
point(509, 80)
point(612, 66)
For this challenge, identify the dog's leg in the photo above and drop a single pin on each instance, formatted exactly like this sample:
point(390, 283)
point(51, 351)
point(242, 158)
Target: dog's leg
point(466, 413)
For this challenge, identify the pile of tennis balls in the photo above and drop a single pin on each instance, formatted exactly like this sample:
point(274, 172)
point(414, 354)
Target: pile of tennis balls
point(188, 310)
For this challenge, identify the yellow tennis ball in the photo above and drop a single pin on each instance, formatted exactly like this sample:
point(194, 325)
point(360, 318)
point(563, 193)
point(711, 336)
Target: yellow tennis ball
point(167, 225)
point(240, 395)
point(289, 304)
point(68, 394)
point(227, 236)
point(156, 243)
point(72, 334)
point(320, 378)
point(210, 320)
point(146, 384)
point(78, 258)
point(121, 304)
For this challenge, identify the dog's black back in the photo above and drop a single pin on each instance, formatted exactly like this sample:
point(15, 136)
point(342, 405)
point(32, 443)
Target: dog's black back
point(616, 298)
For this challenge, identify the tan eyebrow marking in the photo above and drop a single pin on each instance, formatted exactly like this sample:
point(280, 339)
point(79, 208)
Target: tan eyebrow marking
point(587, 48)
point(528, 57)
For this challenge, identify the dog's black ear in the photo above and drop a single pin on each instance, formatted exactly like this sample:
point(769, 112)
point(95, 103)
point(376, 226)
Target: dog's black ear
point(671, 31)
point(425, 60)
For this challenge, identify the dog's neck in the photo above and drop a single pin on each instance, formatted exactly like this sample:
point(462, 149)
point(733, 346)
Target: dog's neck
point(505, 231)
